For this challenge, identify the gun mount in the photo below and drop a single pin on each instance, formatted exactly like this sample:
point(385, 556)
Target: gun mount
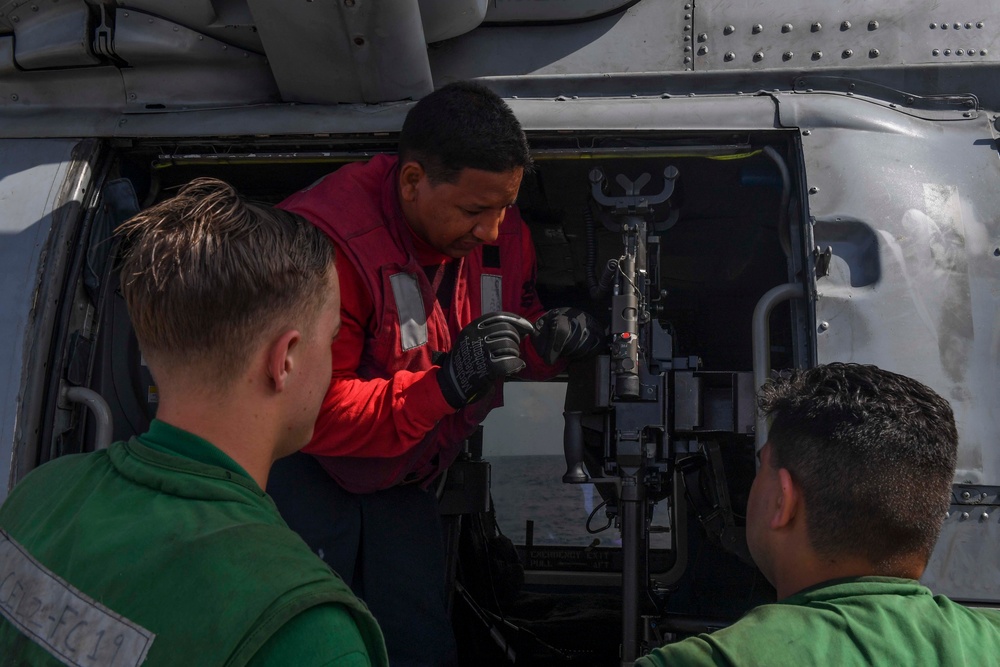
point(642, 416)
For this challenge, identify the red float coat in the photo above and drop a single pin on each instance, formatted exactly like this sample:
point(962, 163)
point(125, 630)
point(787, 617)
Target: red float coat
point(384, 420)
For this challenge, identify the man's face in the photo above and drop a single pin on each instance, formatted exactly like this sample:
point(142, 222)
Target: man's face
point(760, 509)
point(316, 364)
point(456, 218)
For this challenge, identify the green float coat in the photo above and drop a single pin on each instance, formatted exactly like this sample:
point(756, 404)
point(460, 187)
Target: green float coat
point(863, 621)
point(169, 532)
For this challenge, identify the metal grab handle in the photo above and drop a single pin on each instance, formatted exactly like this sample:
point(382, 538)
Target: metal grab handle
point(762, 342)
point(98, 407)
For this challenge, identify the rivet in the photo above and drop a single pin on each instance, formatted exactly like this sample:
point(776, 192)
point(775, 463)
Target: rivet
point(729, 29)
point(944, 26)
point(687, 17)
point(729, 56)
point(687, 6)
point(131, 96)
point(687, 38)
point(687, 60)
point(967, 114)
point(14, 97)
point(968, 26)
point(702, 50)
point(996, 252)
point(687, 49)
point(979, 24)
point(892, 106)
point(787, 55)
point(817, 26)
point(985, 516)
point(972, 52)
point(757, 28)
point(847, 53)
point(225, 47)
point(786, 28)
point(687, 27)
point(813, 190)
point(936, 52)
point(909, 100)
point(957, 26)
point(873, 25)
point(806, 133)
point(703, 37)
point(983, 52)
point(966, 495)
point(933, 25)
point(947, 52)
point(817, 55)
point(14, 19)
point(823, 326)
point(965, 515)
point(960, 52)
point(360, 41)
point(873, 53)
point(757, 57)
point(846, 25)
point(176, 28)
point(34, 8)
point(126, 14)
point(201, 38)
point(149, 20)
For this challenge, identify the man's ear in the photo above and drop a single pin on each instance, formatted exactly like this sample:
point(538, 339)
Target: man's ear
point(281, 358)
point(410, 175)
point(789, 500)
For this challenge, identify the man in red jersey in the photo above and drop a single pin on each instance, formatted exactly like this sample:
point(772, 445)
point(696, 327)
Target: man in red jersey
point(437, 296)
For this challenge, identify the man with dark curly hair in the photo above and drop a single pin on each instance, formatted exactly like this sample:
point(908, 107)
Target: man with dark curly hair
point(853, 485)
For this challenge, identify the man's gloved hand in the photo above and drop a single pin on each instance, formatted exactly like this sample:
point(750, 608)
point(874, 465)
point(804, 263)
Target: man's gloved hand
point(568, 333)
point(486, 349)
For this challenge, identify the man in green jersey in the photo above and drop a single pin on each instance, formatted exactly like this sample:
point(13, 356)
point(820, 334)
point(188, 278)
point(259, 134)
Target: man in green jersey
point(165, 550)
point(853, 485)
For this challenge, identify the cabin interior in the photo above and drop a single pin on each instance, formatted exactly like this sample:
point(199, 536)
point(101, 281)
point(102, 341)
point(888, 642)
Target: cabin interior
point(537, 563)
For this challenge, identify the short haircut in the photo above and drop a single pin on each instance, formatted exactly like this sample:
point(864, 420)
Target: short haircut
point(207, 275)
point(460, 126)
point(874, 453)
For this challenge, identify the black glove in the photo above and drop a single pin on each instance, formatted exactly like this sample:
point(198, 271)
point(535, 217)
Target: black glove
point(568, 333)
point(486, 349)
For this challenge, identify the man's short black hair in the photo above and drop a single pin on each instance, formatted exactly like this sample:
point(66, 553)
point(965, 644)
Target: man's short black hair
point(463, 125)
point(874, 453)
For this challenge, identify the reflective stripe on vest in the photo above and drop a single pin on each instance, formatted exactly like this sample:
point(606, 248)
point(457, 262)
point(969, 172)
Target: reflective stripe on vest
point(412, 314)
point(74, 628)
point(491, 293)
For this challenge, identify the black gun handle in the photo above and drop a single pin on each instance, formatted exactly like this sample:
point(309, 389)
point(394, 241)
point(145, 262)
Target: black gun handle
point(573, 448)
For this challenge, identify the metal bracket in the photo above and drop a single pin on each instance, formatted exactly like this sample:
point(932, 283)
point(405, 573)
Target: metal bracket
point(633, 200)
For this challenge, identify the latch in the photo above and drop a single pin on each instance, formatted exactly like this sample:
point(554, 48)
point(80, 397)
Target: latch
point(822, 259)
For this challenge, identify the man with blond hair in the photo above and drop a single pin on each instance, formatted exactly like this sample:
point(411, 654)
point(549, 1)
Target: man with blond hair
point(853, 486)
point(165, 550)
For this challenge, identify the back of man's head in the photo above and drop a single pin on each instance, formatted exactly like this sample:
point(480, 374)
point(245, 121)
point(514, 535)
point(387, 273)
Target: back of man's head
point(208, 275)
point(874, 453)
point(463, 125)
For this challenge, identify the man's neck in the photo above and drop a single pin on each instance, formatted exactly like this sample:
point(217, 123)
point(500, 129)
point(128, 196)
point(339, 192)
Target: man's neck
point(246, 440)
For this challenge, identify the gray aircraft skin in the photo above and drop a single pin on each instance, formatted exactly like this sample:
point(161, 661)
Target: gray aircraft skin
point(836, 198)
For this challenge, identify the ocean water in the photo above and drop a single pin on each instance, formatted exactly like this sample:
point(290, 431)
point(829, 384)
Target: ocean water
point(531, 487)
